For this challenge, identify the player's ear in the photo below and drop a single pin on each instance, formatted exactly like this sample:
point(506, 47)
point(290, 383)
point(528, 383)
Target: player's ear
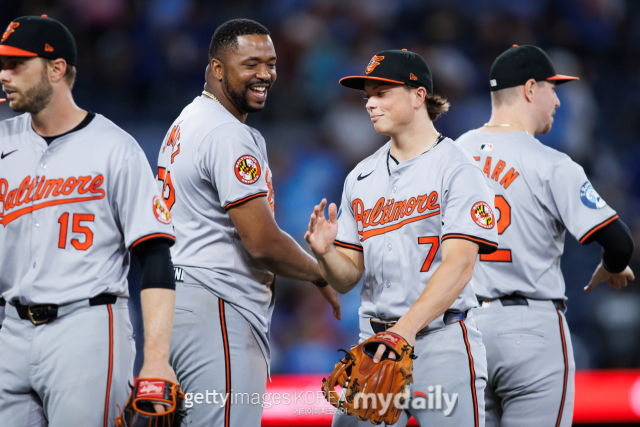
point(420, 95)
point(530, 88)
point(56, 69)
point(217, 68)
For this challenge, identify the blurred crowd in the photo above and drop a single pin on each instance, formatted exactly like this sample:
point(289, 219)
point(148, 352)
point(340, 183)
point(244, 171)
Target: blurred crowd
point(141, 61)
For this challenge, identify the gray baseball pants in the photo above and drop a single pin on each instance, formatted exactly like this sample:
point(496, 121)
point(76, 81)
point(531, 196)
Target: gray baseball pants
point(531, 366)
point(217, 360)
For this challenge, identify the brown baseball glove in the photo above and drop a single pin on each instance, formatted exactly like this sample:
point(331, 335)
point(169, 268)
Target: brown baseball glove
point(140, 412)
point(367, 382)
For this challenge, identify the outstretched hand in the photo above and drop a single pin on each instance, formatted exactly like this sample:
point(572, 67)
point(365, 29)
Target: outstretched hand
point(618, 280)
point(322, 231)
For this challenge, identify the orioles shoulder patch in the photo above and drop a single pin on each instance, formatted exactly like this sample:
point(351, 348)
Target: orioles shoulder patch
point(161, 211)
point(482, 215)
point(247, 169)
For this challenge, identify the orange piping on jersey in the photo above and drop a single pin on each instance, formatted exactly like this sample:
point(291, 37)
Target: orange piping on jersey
point(566, 370)
point(152, 236)
point(477, 159)
point(473, 375)
point(347, 245)
point(227, 361)
point(501, 255)
point(246, 199)
point(383, 230)
point(508, 178)
point(15, 214)
point(597, 227)
point(110, 370)
point(473, 239)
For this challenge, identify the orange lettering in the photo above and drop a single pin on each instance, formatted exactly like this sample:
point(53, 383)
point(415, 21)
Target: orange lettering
point(377, 210)
point(49, 185)
point(508, 178)
point(487, 167)
point(422, 206)
point(433, 197)
point(69, 185)
point(365, 218)
point(24, 185)
point(82, 184)
point(358, 207)
point(8, 203)
point(411, 204)
point(28, 198)
point(387, 213)
point(95, 185)
point(398, 208)
point(498, 170)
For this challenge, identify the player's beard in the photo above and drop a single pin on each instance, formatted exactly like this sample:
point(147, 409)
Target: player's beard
point(239, 99)
point(36, 98)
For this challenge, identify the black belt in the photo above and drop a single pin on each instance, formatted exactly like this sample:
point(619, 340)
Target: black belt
point(449, 317)
point(515, 299)
point(40, 314)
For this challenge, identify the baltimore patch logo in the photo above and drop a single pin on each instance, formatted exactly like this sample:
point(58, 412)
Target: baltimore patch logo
point(375, 61)
point(590, 197)
point(483, 215)
point(247, 169)
point(10, 29)
point(161, 211)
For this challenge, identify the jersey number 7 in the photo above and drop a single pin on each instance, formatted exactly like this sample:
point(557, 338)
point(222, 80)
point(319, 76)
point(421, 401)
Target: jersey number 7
point(501, 255)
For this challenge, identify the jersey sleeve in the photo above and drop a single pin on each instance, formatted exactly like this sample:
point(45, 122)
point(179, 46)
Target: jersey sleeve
point(579, 206)
point(141, 213)
point(468, 209)
point(348, 236)
point(231, 160)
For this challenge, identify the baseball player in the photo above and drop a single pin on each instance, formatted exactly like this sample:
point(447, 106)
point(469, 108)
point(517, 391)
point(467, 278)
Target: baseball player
point(540, 193)
point(216, 180)
point(413, 218)
point(76, 196)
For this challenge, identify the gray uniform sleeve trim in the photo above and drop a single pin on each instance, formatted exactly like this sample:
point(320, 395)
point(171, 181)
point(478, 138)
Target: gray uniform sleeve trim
point(486, 246)
point(245, 199)
point(584, 238)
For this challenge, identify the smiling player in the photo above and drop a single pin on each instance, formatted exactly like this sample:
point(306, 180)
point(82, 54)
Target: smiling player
point(216, 180)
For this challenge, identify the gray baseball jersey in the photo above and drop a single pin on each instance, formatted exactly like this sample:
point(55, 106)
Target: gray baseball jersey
point(399, 214)
point(72, 210)
point(70, 213)
point(208, 163)
point(540, 193)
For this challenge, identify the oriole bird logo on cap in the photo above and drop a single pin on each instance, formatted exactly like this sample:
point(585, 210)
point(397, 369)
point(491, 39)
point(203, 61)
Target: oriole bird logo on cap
point(375, 61)
point(10, 29)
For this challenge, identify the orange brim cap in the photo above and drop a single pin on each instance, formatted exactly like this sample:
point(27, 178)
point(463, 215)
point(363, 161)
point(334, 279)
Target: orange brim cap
point(559, 78)
point(357, 82)
point(14, 51)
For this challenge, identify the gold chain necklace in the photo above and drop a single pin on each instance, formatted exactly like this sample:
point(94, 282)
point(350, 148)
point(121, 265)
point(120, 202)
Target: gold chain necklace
point(487, 125)
point(211, 96)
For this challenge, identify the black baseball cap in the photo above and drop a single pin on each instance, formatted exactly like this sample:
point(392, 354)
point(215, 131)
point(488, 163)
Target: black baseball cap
point(518, 64)
point(38, 36)
point(394, 66)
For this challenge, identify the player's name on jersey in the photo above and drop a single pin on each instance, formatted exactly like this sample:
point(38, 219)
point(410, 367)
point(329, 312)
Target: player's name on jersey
point(500, 166)
point(387, 211)
point(47, 192)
